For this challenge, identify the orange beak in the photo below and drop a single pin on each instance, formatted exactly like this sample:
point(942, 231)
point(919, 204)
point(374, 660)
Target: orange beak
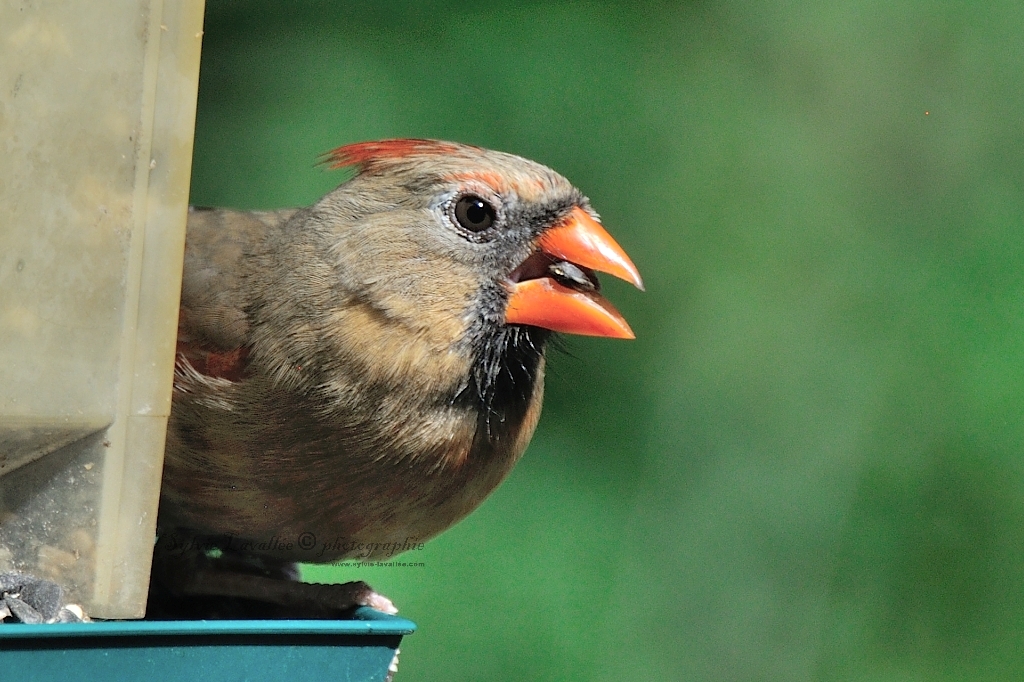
point(545, 302)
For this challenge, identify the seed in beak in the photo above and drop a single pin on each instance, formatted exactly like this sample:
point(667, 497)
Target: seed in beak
point(571, 275)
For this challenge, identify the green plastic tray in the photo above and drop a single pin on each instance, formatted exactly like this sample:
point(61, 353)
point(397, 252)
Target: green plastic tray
point(252, 650)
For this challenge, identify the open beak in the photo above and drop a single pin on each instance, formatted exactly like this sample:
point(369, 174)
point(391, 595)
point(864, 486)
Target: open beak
point(554, 288)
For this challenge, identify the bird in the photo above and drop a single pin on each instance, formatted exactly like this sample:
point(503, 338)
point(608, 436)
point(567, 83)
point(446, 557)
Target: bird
point(355, 377)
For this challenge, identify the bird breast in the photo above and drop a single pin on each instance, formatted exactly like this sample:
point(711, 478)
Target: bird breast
point(260, 463)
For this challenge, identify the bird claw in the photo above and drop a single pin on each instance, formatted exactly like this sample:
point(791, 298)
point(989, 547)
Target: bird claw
point(378, 601)
point(345, 596)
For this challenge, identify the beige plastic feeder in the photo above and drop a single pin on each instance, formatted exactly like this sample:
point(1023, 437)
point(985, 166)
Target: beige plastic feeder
point(97, 110)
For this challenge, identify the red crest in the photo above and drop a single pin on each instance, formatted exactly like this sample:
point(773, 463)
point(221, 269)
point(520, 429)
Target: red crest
point(367, 154)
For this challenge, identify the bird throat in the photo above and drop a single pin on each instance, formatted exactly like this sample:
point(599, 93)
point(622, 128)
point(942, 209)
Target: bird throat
point(505, 366)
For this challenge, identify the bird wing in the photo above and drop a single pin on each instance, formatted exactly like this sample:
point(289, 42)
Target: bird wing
point(213, 324)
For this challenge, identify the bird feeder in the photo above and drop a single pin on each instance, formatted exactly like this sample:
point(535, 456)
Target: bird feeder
point(96, 118)
point(97, 115)
point(362, 648)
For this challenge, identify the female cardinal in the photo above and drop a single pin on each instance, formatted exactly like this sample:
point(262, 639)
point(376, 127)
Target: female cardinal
point(355, 377)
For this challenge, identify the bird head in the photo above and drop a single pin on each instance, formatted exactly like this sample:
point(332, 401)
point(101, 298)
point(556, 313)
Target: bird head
point(520, 243)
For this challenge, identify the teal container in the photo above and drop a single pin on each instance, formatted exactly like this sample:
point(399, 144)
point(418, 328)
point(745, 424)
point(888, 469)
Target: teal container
point(355, 650)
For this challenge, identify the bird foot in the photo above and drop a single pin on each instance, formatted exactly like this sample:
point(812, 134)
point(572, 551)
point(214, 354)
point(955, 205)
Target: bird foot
point(196, 586)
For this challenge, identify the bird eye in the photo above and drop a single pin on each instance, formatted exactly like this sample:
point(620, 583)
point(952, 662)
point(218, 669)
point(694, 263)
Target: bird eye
point(473, 213)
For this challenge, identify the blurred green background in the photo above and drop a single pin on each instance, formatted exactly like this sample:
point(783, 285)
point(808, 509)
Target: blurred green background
point(808, 466)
